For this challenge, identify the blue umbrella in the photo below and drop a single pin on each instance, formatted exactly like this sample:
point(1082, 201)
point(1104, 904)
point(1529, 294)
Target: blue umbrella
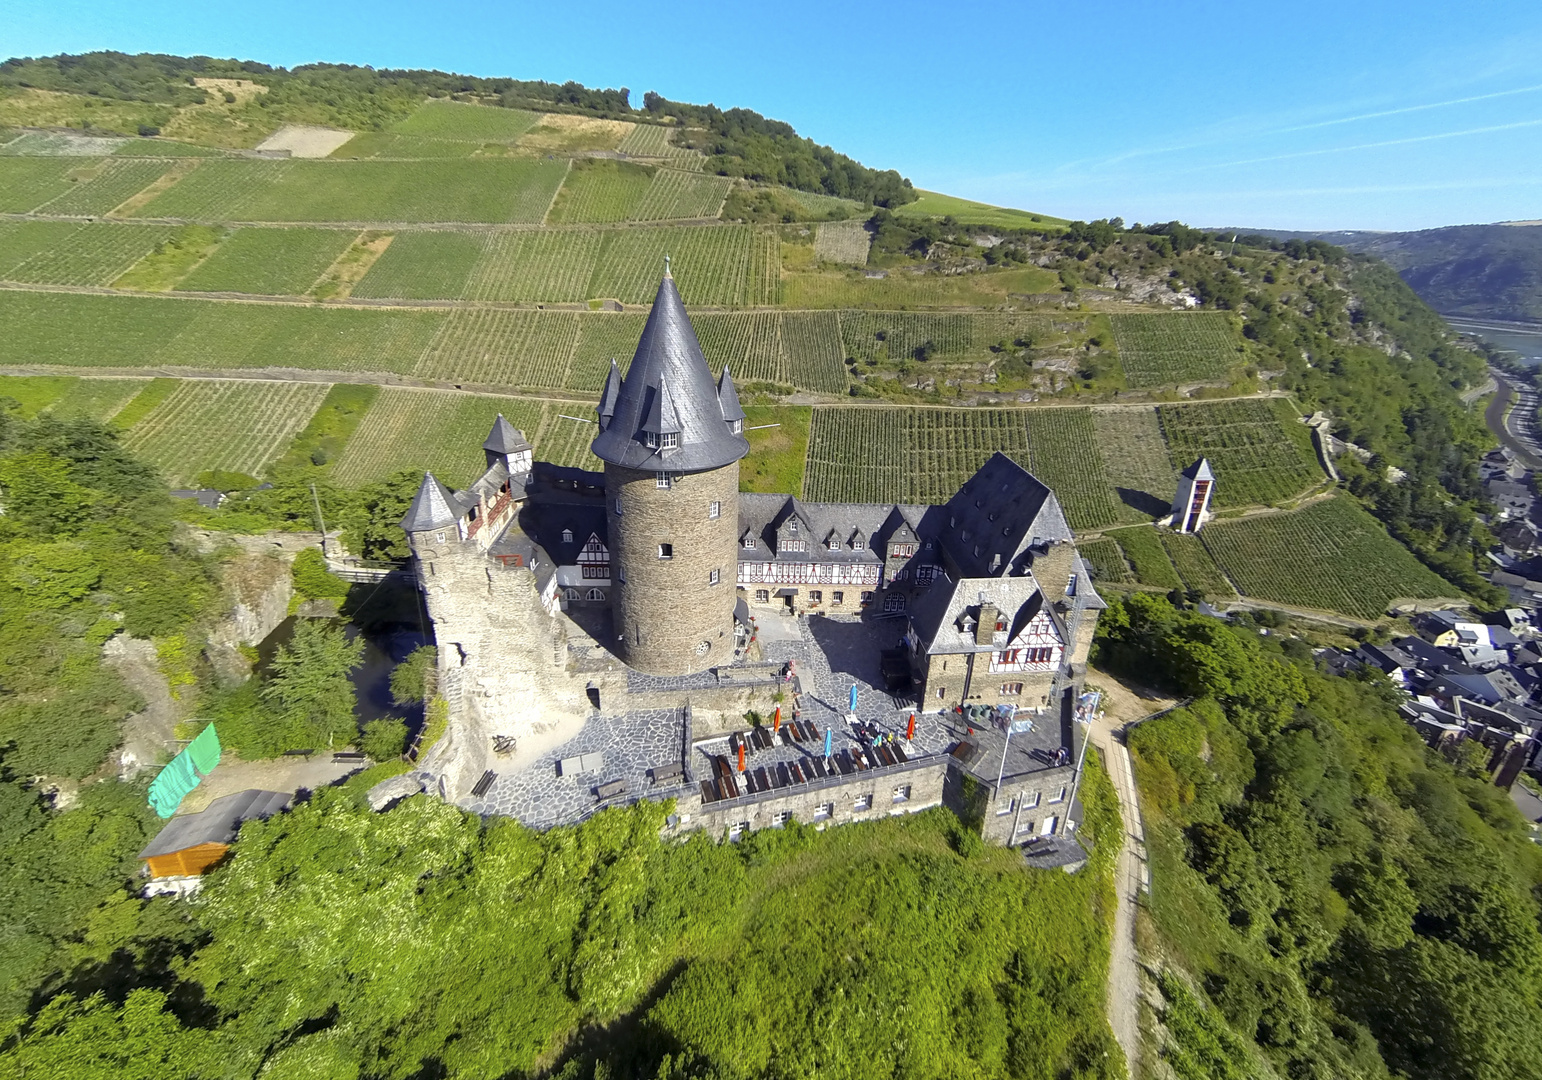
point(853, 697)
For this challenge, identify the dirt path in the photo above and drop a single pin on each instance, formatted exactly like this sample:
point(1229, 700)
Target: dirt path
point(1122, 704)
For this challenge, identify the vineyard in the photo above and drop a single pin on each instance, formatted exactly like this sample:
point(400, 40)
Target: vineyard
point(1144, 550)
point(433, 430)
point(1106, 561)
point(467, 123)
point(1169, 349)
point(426, 265)
point(217, 424)
point(1063, 448)
point(675, 194)
point(1135, 458)
point(1331, 555)
point(1195, 565)
point(64, 253)
point(1254, 457)
point(474, 190)
point(274, 262)
point(599, 190)
point(905, 455)
point(845, 242)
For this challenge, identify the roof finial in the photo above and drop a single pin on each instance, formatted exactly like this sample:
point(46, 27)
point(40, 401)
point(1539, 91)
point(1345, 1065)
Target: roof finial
point(666, 267)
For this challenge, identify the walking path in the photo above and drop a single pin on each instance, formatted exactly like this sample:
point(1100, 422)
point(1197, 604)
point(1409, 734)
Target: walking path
point(1121, 706)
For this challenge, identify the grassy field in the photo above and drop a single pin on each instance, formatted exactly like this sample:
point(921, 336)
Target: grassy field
point(1147, 557)
point(601, 190)
point(275, 262)
point(66, 253)
point(967, 212)
point(217, 424)
point(1256, 458)
point(1166, 349)
point(1331, 555)
point(476, 190)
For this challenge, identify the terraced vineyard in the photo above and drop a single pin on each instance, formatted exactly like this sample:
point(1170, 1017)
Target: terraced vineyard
point(905, 455)
point(475, 190)
point(423, 266)
point(674, 194)
point(1247, 444)
point(1195, 565)
point(275, 262)
point(1148, 558)
point(598, 190)
point(1167, 348)
point(65, 253)
point(240, 426)
point(1331, 555)
point(1063, 449)
point(433, 430)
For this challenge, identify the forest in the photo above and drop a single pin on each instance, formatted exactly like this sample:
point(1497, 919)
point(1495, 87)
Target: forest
point(1351, 903)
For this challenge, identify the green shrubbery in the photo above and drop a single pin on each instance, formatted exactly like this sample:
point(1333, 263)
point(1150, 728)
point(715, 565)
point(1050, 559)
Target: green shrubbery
point(1347, 900)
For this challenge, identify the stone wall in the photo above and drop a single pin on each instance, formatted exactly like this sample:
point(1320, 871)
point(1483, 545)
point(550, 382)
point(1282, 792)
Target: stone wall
point(669, 617)
point(503, 661)
point(808, 803)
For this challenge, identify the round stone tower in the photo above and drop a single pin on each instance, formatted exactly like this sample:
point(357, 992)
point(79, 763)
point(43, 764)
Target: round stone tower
point(671, 441)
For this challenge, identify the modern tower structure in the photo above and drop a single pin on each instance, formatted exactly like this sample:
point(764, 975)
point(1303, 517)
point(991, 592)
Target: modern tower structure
point(671, 440)
point(1191, 506)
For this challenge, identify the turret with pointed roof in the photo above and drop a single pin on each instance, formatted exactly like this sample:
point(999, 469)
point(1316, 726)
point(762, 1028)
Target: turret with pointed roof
point(669, 385)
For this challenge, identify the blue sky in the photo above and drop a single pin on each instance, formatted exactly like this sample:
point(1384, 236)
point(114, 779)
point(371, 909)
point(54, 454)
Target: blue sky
point(1305, 115)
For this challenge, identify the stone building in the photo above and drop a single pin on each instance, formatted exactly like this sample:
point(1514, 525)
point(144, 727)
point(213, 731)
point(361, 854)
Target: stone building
point(603, 629)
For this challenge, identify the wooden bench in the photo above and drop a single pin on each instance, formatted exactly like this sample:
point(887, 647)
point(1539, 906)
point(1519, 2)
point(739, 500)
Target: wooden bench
point(482, 786)
point(610, 789)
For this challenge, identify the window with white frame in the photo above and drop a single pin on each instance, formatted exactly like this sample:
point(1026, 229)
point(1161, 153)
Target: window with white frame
point(714, 511)
point(714, 576)
point(862, 804)
point(661, 481)
point(902, 793)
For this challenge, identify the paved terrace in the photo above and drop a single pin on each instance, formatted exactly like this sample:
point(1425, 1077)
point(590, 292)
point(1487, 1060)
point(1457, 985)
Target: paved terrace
point(622, 752)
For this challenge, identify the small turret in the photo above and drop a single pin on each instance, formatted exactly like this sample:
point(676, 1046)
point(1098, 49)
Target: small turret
point(506, 444)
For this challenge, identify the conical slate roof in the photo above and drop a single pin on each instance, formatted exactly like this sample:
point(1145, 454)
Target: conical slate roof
point(1200, 470)
point(728, 397)
point(668, 371)
point(505, 438)
point(433, 507)
point(608, 394)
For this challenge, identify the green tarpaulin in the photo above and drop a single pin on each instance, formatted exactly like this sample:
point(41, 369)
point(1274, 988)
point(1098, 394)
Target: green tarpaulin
point(184, 772)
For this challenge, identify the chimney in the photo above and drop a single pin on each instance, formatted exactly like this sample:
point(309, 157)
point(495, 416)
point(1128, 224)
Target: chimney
point(986, 627)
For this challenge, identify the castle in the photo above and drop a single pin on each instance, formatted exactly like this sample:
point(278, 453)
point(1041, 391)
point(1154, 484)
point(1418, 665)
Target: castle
point(603, 636)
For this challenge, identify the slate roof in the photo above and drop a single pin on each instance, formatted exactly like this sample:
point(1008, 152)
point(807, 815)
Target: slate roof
point(505, 438)
point(1200, 470)
point(1002, 510)
point(433, 507)
point(668, 373)
point(218, 824)
point(763, 515)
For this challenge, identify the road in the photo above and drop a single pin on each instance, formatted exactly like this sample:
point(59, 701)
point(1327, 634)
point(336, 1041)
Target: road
point(1122, 705)
point(1515, 425)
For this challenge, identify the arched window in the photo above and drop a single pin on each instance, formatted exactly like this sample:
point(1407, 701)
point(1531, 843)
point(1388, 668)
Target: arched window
point(596, 594)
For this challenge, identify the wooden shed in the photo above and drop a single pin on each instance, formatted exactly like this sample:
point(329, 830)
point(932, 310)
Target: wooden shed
point(192, 844)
